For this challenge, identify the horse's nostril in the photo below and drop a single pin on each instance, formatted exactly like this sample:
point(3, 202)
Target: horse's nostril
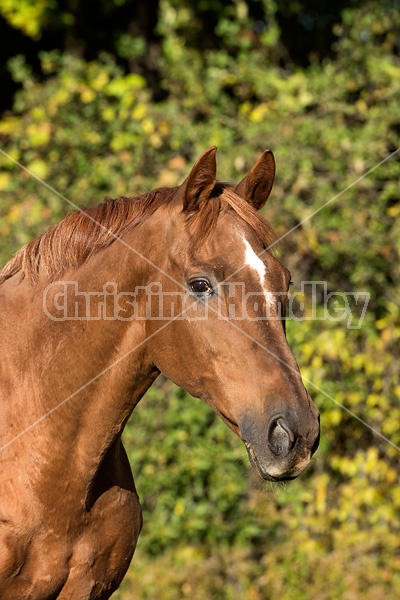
point(280, 437)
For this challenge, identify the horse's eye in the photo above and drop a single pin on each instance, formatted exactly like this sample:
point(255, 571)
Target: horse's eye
point(200, 286)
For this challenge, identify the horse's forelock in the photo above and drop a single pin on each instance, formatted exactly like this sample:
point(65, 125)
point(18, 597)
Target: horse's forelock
point(223, 197)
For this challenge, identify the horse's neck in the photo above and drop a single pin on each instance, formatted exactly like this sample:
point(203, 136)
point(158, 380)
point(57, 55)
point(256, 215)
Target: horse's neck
point(79, 380)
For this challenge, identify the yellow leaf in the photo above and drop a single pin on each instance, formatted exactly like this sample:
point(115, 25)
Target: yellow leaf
point(393, 211)
point(39, 168)
point(258, 113)
point(148, 126)
point(5, 179)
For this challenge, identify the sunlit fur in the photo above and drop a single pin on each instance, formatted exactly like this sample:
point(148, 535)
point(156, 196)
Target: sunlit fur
point(84, 232)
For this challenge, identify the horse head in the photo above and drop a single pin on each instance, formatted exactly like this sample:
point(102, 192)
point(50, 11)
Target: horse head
point(229, 346)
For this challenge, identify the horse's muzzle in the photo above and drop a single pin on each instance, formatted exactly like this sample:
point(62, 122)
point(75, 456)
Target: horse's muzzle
point(283, 452)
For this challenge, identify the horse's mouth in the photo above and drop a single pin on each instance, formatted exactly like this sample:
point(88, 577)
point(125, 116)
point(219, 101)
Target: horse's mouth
point(263, 474)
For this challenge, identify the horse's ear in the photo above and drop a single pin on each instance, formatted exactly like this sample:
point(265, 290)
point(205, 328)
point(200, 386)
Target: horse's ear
point(200, 181)
point(257, 185)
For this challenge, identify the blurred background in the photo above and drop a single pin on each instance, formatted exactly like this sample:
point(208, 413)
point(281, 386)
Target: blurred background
point(115, 97)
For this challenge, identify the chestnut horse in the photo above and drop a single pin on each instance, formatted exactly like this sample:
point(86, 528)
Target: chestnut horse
point(69, 512)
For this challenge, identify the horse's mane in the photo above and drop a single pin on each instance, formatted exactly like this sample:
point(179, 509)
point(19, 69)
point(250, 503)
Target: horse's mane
point(85, 231)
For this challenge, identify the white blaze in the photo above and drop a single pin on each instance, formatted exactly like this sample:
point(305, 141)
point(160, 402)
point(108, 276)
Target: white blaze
point(255, 262)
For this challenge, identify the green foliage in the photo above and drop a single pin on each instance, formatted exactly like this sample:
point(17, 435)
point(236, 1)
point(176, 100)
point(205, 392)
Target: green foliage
point(209, 504)
point(211, 529)
point(28, 16)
